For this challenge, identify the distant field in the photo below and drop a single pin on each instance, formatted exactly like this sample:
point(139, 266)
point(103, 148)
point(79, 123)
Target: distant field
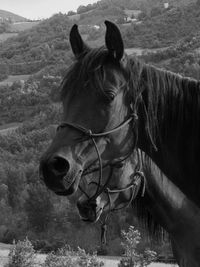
point(78, 16)
point(141, 51)
point(13, 78)
point(130, 12)
point(22, 26)
point(5, 36)
point(74, 17)
point(5, 129)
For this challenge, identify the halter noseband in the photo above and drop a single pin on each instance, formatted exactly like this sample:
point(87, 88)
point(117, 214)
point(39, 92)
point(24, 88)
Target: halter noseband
point(90, 135)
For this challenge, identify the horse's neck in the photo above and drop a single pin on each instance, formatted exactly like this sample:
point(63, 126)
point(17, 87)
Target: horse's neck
point(167, 201)
point(170, 115)
point(175, 212)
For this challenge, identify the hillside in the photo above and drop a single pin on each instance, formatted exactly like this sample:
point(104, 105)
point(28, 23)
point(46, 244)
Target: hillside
point(143, 5)
point(154, 26)
point(164, 28)
point(6, 15)
point(37, 47)
point(47, 43)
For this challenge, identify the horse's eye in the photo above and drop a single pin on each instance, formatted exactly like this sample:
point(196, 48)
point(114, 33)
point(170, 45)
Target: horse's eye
point(110, 95)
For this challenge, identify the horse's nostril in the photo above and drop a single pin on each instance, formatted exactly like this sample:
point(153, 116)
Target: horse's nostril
point(60, 165)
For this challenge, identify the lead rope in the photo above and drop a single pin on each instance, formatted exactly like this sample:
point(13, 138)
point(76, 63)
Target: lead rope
point(104, 229)
point(104, 223)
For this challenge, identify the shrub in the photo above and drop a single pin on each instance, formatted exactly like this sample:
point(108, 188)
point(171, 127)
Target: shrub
point(22, 254)
point(133, 256)
point(54, 260)
point(66, 257)
point(87, 260)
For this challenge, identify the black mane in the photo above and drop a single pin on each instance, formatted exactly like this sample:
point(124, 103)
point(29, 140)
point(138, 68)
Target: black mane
point(167, 94)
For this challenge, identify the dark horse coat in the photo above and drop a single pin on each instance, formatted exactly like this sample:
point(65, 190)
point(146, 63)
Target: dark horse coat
point(102, 90)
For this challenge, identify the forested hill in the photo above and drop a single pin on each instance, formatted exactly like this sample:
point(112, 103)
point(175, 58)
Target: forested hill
point(6, 15)
point(48, 41)
point(32, 50)
point(144, 5)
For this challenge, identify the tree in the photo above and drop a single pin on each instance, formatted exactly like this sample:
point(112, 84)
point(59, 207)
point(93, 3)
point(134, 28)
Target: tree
point(39, 207)
point(70, 13)
point(81, 9)
point(134, 256)
point(22, 254)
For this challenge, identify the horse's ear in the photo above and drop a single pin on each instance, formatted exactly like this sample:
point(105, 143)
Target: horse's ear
point(114, 42)
point(77, 44)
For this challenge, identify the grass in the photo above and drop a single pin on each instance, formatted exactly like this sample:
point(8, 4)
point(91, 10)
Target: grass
point(130, 12)
point(13, 78)
point(22, 26)
point(6, 127)
point(141, 51)
point(5, 36)
point(74, 17)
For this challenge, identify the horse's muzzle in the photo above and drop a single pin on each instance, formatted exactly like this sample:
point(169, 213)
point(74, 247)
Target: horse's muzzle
point(58, 175)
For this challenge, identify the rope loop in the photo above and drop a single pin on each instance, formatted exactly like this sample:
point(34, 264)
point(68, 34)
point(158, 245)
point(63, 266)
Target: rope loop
point(88, 132)
point(134, 115)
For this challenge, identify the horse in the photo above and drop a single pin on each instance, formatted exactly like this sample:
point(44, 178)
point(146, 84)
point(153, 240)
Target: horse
point(112, 104)
point(163, 200)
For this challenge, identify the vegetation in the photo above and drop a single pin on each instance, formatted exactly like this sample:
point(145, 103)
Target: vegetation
point(22, 254)
point(43, 45)
point(135, 256)
point(47, 43)
point(164, 29)
point(66, 257)
point(183, 58)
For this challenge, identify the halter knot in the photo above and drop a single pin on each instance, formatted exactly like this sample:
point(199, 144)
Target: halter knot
point(88, 132)
point(134, 115)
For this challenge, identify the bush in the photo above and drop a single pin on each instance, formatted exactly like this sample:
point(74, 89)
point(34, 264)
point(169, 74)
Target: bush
point(134, 256)
point(87, 260)
point(66, 257)
point(22, 254)
point(53, 260)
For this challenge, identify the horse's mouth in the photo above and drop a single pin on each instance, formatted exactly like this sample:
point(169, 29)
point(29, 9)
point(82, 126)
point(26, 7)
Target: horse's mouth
point(66, 192)
point(92, 219)
point(67, 188)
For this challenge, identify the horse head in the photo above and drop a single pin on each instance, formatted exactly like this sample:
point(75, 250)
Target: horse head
point(121, 189)
point(98, 114)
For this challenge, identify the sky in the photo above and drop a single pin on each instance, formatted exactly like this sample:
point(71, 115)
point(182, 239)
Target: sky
point(38, 9)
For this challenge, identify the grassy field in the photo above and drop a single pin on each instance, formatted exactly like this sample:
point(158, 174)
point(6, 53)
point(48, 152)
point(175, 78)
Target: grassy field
point(141, 51)
point(5, 36)
point(13, 78)
point(22, 26)
point(78, 16)
point(7, 128)
point(17, 27)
